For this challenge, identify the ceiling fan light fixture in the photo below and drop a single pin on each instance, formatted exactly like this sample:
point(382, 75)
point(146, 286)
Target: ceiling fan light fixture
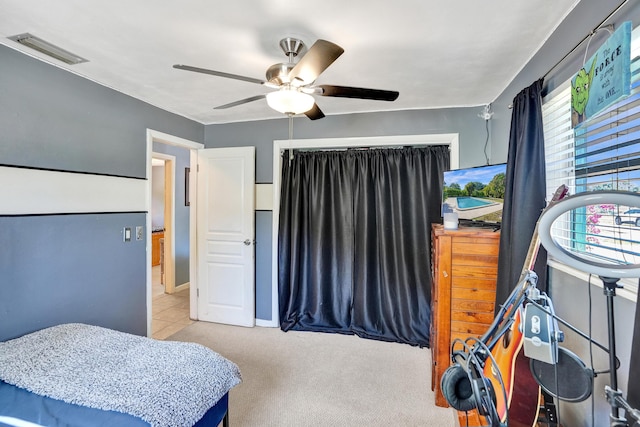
point(290, 101)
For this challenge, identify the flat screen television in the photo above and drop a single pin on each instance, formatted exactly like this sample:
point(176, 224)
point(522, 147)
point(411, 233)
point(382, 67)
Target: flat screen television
point(475, 194)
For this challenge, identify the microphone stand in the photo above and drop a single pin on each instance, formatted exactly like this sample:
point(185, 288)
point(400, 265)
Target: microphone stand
point(614, 396)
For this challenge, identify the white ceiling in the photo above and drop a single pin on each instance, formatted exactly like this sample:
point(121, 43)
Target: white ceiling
point(436, 53)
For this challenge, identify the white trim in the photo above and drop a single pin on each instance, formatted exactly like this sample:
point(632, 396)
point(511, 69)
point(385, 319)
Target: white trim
point(451, 139)
point(193, 236)
point(37, 191)
point(155, 136)
point(182, 287)
point(165, 138)
point(264, 197)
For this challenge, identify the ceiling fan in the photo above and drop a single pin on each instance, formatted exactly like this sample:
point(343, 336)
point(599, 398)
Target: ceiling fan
point(294, 81)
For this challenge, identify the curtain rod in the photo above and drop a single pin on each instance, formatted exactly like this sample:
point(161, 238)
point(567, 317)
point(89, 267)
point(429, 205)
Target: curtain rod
point(591, 34)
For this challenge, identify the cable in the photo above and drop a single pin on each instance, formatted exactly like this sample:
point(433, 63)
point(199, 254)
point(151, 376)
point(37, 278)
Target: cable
point(574, 329)
point(555, 372)
point(476, 354)
point(486, 142)
point(290, 137)
point(486, 116)
point(593, 378)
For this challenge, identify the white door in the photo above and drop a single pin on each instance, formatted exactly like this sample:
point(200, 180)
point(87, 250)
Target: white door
point(225, 235)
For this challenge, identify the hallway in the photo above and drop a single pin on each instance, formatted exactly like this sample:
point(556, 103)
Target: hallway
point(170, 313)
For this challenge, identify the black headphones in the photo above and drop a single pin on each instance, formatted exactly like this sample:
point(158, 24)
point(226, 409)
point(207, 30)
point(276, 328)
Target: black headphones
point(463, 384)
point(465, 387)
point(457, 389)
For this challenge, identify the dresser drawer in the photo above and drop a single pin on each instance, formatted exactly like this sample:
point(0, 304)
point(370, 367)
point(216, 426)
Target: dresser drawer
point(468, 328)
point(472, 305)
point(483, 317)
point(474, 294)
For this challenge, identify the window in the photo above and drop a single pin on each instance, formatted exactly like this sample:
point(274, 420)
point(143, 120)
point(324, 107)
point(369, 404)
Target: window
point(602, 154)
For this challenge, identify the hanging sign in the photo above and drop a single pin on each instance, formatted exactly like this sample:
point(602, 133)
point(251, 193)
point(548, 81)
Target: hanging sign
point(604, 78)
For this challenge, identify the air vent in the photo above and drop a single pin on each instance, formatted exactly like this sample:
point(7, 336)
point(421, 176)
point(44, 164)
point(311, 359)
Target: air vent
point(47, 48)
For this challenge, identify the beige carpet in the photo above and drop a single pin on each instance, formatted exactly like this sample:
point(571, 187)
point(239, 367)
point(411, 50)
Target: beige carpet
point(317, 379)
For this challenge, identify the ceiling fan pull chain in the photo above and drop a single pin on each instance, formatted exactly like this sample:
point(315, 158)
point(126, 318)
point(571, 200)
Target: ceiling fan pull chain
point(290, 137)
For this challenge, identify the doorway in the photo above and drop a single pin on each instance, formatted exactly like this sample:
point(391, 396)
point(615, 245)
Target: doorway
point(169, 303)
point(163, 218)
point(170, 205)
point(246, 189)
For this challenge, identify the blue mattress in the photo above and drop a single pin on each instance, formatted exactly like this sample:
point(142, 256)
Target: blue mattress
point(24, 405)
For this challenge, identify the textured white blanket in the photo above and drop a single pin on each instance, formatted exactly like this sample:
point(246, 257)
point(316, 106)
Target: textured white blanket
point(163, 382)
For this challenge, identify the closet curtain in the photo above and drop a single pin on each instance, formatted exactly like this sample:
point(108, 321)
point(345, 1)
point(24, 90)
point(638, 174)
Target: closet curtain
point(354, 241)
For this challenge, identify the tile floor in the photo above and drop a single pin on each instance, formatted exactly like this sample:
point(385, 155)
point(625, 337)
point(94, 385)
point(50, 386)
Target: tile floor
point(170, 312)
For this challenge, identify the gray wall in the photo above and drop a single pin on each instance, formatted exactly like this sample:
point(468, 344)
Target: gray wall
point(53, 119)
point(59, 268)
point(261, 134)
point(71, 268)
point(570, 294)
point(263, 264)
point(571, 302)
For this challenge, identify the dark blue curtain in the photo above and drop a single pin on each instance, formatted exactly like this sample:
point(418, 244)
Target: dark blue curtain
point(525, 191)
point(354, 252)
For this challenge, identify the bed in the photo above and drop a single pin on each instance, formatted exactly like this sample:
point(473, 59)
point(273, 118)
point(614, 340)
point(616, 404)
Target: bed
point(82, 375)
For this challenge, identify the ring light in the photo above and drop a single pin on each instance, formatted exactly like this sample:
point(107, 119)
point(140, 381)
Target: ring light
point(581, 200)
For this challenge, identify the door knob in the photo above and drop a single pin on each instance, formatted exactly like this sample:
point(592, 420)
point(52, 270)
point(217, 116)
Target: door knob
point(247, 242)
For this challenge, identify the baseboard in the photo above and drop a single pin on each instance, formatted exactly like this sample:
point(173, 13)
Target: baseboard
point(266, 323)
point(181, 287)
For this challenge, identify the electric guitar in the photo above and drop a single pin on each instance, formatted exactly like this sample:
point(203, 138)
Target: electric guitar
point(522, 391)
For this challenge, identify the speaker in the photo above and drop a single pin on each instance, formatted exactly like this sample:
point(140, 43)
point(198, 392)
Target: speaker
point(574, 380)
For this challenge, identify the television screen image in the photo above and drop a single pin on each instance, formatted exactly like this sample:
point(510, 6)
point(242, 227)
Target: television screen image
point(475, 194)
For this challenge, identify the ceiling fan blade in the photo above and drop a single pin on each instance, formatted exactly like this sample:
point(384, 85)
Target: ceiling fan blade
point(240, 102)
point(314, 113)
point(218, 73)
point(358, 92)
point(315, 61)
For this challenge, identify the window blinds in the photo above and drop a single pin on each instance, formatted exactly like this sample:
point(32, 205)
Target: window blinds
point(602, 154)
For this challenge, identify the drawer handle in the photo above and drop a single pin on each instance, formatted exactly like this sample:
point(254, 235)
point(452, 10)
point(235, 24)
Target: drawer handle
point(444, 273)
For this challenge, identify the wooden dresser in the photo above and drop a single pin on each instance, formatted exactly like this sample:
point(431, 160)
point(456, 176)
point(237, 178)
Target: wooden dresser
point(464, 271)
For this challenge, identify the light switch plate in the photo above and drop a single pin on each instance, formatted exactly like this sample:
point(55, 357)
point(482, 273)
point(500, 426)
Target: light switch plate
point(127, 234)
point(139, 232)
